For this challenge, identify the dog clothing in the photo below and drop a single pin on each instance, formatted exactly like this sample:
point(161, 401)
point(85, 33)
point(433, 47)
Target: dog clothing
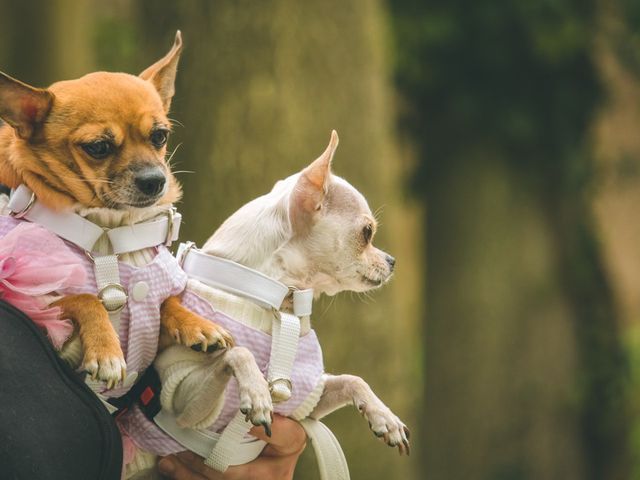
point(286, 350)
point(306, 375)
point(147, 287)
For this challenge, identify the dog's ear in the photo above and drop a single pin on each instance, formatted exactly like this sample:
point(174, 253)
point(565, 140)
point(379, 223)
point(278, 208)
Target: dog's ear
point(22, 106)
point(162, 74)
point(311, 187)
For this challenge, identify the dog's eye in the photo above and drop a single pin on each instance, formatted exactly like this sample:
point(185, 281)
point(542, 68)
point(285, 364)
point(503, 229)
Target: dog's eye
point(367, 233)
point(159, 138)
point(98, 150)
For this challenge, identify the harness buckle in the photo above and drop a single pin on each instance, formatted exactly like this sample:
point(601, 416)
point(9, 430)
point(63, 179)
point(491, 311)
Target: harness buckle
point(26, 209)
point(280, 389)
point(121, 303)
point(183, 250)
point(170, 215)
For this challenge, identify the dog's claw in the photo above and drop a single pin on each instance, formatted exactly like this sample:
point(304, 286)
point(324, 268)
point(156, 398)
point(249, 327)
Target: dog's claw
point(387, 426)
point(253, 389)
point(267, 428)
point(199, 334)
point(407, 448)
point(110, 369)
point(205, 347)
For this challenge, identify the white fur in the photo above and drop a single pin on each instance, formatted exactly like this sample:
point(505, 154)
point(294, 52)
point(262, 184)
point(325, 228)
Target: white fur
point(308, 232)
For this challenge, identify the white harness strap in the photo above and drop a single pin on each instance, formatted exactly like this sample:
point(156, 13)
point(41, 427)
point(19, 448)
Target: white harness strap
point(231, 277)
point(221, 455)
point(203, 442)
point(285, 333)
point(83, 233)
point(331, 460)
point(69, 226)
point(110, 292)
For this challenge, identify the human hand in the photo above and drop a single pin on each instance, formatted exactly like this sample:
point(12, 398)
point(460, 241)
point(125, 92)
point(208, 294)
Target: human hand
point(276, 462)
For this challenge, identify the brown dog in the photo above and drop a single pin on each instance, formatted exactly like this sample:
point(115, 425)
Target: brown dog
point(99, 141)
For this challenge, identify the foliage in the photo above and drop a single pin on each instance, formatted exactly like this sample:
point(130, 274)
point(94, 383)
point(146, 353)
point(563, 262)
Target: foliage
point(513, 75)
point(511, 87)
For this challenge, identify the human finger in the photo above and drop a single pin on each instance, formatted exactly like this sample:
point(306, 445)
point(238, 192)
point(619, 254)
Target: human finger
point(174, 468)
point(288, 437)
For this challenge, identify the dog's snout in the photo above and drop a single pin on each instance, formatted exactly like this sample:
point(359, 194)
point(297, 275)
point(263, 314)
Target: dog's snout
point(391, 261)
point(150, 181)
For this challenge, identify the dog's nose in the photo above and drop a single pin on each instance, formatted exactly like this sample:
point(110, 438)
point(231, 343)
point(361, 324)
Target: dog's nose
point(150, 181)
point(391, 261)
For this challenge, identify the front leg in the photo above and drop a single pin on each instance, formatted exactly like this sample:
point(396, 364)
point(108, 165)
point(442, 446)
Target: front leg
point(103, 358)
point(342, 390)
point(180, 325)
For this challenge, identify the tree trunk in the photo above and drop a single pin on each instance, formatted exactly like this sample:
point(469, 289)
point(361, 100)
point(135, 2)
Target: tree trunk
point(260, 86)
point(44, 42)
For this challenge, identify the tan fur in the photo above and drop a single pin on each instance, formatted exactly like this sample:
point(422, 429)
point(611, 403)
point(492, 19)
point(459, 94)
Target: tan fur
point(184, 327)
point(56, 168)
point(99, 339)
point(41, 146)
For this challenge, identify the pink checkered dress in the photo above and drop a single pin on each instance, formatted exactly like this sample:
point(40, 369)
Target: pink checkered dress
point(140, 319)
point(307, 371)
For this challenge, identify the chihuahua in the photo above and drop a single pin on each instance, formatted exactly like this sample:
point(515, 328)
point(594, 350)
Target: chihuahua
point(96, 146)
point(312, 231)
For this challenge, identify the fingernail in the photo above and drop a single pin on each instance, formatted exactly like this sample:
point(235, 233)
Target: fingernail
point(166, 466)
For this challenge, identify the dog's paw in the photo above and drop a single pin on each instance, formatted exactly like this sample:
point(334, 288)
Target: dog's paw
point(256, 404)
point(253, 389)
point(200, 334)
point(387, 426)
point(109, 367)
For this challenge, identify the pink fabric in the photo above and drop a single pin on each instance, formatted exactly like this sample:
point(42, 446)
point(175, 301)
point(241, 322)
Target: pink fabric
point(307, 370)
point(29, 270)
point(140, 319)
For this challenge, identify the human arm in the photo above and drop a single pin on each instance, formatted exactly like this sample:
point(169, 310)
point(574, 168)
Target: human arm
point(276, 462)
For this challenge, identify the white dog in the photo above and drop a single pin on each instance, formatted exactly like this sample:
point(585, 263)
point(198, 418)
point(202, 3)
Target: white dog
point(312, 231)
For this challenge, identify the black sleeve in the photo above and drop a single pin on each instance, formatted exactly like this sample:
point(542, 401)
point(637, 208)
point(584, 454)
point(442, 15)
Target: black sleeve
point(52, 426)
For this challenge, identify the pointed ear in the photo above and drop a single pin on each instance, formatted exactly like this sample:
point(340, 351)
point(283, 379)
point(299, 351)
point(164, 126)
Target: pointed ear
point(22, 106)
point(312, 185)
point(162, 74)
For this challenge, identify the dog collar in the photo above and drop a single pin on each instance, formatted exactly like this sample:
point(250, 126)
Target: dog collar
point(242, 281)
point(83, 233)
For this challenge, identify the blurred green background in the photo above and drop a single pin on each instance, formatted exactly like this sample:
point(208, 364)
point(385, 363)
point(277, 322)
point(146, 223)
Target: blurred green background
point(499, 142)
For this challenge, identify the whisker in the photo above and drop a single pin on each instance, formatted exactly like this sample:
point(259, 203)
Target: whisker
point(168, 160)
point(173, 121)
point(364, 298)
point(331, 302)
